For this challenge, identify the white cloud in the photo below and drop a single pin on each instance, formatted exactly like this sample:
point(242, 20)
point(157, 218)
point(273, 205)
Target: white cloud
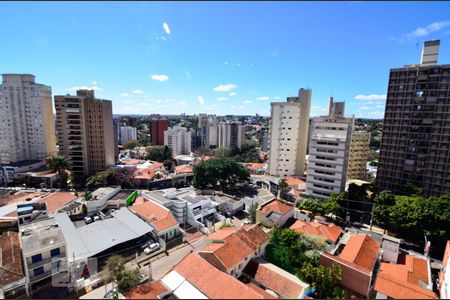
point(263, 98)
point(225, 87)
point(138, 92)
point(232, 94)
point(124, 95)
point(247, 101)
point(201, 100)
point(160, 77)
point(364, 107)
point(84, 87)
point(424, 31)
point(222, 98)
point(378, 114)
point(277, 98)
point(94, 82)
point(371, 97)
point(166, 28)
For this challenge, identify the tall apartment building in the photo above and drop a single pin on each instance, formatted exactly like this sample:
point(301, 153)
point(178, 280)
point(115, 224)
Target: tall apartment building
point(157, 128)
point(178, 139)
point(288, 134)
point(329, 152)
point(85, 132)
point(230, 134)
point(128, 133)
point(129, 121)
point(359, 153)
point(26, 119)
point(208, 131)
point(416, 130)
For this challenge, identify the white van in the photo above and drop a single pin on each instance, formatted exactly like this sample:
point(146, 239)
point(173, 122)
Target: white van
point(152, 248)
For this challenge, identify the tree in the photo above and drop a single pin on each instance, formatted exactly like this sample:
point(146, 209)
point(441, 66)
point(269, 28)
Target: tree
point(175, 182)
point(314, 205)
point(290, 250)
point(117, 272)
point(332, 205)
point(411, 189)
point(222, 152)
point(130, 145)
point(252, 211)
point(324, 281)
point(282, 186)
point(381, 210)
point(159, 153)
point(129, 279)
point(101, 179)
point(219, 173)
point(59, 165)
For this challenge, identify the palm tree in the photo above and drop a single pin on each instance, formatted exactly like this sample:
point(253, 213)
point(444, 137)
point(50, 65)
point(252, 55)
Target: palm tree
point(59, 165)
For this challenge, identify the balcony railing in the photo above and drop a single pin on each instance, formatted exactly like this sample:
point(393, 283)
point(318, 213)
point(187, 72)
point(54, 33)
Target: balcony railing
point(45, 261)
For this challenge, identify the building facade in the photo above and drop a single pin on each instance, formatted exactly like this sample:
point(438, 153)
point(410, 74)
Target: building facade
point(329, 152)
point(359, 153)
point(26, 119)
point(178, 139)
point(157, 128)
point(230, 134)
point(416, 130)
point(127, 133)
point(85, 132)
point(288, 135)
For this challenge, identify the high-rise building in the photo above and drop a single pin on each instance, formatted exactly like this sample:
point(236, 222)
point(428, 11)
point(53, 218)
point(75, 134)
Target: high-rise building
point(359, 153)
point(416, 130)
point(129, 121)
point(85, 132)
point(178, 139)
point(329, 152)
point(288, 134)
point(207, 130)
point(157, 128)
point(27, 129)
point(127, 133)
point(230, 134)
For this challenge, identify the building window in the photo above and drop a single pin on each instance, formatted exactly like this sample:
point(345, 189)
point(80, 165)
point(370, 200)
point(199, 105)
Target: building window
point(38, 271)
point(55, 252)
point(56, 265)
point(36, 258)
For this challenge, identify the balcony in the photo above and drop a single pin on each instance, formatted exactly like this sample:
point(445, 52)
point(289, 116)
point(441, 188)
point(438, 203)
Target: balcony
point(34, 278)
point(45, 261)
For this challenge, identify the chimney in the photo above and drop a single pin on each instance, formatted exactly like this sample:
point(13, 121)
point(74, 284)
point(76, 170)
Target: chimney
point(430, 52)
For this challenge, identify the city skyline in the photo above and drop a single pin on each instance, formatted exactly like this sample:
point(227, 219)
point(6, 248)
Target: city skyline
point(172, 58)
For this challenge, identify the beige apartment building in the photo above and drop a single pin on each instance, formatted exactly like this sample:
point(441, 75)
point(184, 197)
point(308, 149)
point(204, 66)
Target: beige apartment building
point(416, 130)
point(288, 135)
point(85, 132)
point(26, 119)
point(359, 152)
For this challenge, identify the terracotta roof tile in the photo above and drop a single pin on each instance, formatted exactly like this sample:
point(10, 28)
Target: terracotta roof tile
point(184, 169)
point(149, 290)
point(277, 206)
point(401, 281)
point(329, 232)
point(294, 181)
point(361, 250)
point(19, 196)
point(211, 281)
point(158, 216)
point(57, 200)
point(11, 260)
point(260, 291)
point(255, 166)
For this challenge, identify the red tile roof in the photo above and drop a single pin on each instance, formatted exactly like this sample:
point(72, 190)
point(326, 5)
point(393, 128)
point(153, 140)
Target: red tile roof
point(155, 214)
point(147, 173)
point(149, 290)
point(184, 169)
point(18, 197)
point(329, 232)
point(211, 281)
point(255, 166)
point(57, 200)
point(277, 206)
point(11, 260)
point(294, 181)
point(260, 291)
point(284, 284)
point(401, 281)
point(361, 250)
point(132, 161)
point(232, 245)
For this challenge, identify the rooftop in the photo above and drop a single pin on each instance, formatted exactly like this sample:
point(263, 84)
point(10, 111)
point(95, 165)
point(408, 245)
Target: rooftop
point(361, 250)
point(276, 206)
point(19, 196)
point(184, 169)
point(149, 290)
point(160, 217)
point(57, 200)
point(102, 192)
point(406, 280)
point(10, 258)
point(210, 281)
point(276, 279)
point(329, 232)
point(40, 234)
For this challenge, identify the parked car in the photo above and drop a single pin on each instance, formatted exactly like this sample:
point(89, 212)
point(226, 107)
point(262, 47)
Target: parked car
point(152, 248)
point(96, 218)
point(87, 220)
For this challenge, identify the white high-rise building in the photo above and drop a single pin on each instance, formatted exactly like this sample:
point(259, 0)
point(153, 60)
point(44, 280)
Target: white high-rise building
point(329, 152)
point(288, 135)
point(27, 128)
point(127, 133)
point(212, 135)
point(178, 139)
point(230, 134)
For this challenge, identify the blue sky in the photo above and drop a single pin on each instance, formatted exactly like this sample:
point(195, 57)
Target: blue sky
point(220, 57)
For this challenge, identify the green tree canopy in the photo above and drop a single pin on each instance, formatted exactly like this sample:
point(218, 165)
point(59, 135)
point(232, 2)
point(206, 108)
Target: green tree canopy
point(219, 173)
point(159, 153)
point(101, 179)
point(59, 165)
point(117, 272)
point(130, 145)
point(324, 281)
